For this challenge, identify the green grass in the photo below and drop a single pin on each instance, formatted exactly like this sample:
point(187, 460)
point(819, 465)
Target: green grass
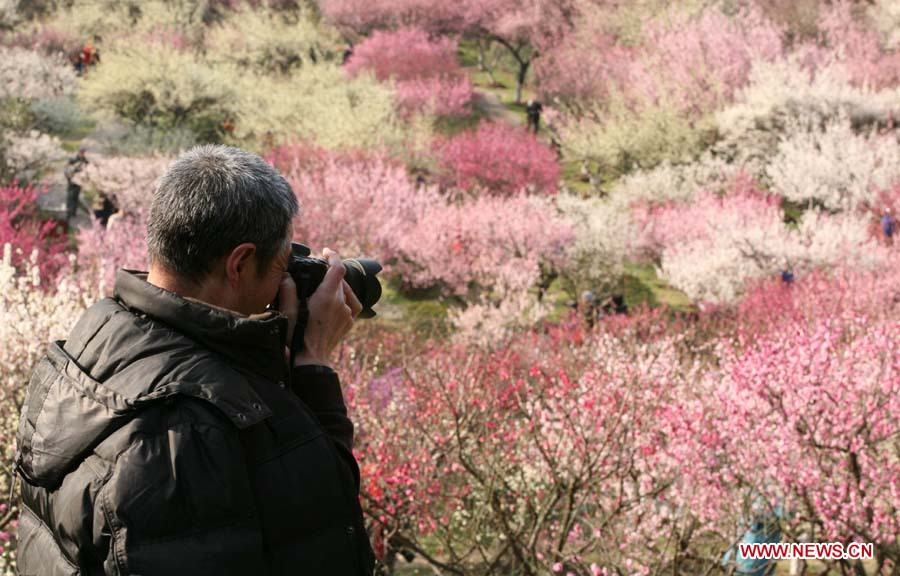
point(71, 139)
point(571, 174)
point(423, 311)
point(452, 125)
point(662, 294)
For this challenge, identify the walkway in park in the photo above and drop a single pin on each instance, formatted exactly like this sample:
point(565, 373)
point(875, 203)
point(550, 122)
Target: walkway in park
point(490, 107)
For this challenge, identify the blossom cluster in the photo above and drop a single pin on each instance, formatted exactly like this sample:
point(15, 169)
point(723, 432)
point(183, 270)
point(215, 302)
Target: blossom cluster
point(425, 71)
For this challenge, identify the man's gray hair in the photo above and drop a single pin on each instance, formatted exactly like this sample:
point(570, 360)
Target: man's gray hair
point(211, 199)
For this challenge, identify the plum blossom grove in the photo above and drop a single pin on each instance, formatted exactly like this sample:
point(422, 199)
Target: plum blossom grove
point(610, 343)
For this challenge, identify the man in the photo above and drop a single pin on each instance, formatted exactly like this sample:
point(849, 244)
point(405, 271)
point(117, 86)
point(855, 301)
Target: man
point(103, 208)
point(73, 190)
point(533, 111)
point(168, 434)
point(887, 226)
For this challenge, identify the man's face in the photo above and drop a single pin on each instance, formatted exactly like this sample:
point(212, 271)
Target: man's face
point(260, 289)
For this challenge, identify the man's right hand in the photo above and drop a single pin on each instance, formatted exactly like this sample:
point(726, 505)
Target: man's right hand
point(332, 309)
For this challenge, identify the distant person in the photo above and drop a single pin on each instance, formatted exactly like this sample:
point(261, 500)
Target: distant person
point(77, 62)
point(268, 140)
point(83, 59)
point(615, 304)
point(90, 55)
point(888, 226)
point(103, 208)
point(588, 306)
point(533, 111)
point(73, 190)
point(787, 277)
point(348, 53)
point(762, 527)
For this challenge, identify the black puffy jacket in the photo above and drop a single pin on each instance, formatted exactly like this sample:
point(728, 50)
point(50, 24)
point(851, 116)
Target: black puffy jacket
point(166, 436)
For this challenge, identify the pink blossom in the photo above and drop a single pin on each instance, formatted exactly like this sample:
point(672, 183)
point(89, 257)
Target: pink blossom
point(499, 158)
point(21, 228)
point(425, 70)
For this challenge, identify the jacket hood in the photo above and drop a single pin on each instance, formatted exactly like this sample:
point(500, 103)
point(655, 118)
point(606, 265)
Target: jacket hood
point(124, 354)
point(254, 342)
point(66, 412)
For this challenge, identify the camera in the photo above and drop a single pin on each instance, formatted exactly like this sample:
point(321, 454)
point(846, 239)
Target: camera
point(308, 272)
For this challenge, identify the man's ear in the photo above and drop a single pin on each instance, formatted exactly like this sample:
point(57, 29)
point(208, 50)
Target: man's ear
point(240, 262)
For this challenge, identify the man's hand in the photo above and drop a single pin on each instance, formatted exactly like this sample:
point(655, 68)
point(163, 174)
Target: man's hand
point(332, 309)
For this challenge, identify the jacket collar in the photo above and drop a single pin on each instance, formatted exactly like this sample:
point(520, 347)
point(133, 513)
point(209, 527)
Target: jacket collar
point(254, 342)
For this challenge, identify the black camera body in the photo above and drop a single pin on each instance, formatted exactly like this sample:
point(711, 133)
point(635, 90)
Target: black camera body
point(308, 273)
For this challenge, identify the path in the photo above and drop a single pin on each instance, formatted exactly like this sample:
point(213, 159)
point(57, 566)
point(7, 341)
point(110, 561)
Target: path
point(53, 201)
point(490, 107)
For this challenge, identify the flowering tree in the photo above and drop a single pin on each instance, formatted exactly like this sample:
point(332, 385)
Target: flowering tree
point(50, 40)
point(834, 166)
point(128, 181)
point(361, 17)
point(103, 250)
point(710, 247)
point(525, 28)
point(422, 235)
point(826, 438)
point(695, 62)
point(698, 63)
point(25, 234)
point(29, 75)
point(612, 140)
point(628, 448)
point(603, 235)
point(781, 93)
point(27, 157)
point(9, 16)
point(485, 242)
point(161, 86)
point(262, 40)
point(320, 104)
point(851, 41)
point(499, 158)
point(426, 72)
point(676, 182)
point(539, 457)
point(378, 200)
point(522, 28)
point(635, 106)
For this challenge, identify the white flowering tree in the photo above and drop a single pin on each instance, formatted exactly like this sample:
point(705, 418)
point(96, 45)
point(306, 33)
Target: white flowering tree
point(833, 165)
point(29, 156)
point(26, 74)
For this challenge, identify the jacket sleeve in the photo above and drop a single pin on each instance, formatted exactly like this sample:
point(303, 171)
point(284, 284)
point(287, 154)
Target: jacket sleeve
point(320, 389)
point(179, 500)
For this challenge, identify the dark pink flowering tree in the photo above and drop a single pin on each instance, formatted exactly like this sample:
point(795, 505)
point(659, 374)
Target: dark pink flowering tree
point(499, 159)
point(25, 233)
point(425, 71)
point(531, 459)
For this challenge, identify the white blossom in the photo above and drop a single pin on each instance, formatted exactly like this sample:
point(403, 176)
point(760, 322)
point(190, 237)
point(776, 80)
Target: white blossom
point(30, 75)
point(841, 169)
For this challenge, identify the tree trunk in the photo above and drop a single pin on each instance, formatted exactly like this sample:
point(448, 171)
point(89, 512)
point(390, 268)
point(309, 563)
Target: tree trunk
point(520, 78)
